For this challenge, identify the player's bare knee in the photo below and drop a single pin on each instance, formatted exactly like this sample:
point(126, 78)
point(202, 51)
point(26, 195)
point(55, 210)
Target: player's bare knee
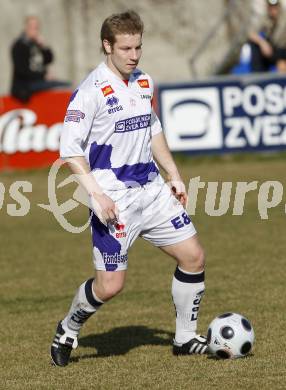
point(107, 289)
point(194, 262)
point(114, 289)
point(108, 284)
point(111, 291)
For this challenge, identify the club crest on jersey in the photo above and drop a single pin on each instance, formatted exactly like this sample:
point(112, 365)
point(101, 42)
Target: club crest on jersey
point(144, 83)
point(108, 90)
point(112, 101)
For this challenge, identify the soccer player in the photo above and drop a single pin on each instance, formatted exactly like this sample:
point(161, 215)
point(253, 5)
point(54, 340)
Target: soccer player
point(111, 140)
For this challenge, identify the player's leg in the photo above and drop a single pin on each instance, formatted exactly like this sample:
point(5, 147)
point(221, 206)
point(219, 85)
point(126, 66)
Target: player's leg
point(110, 260)
point(107, 284)
point(187, 291)
point(110, 247)
point(168, 227)
point(90, 296)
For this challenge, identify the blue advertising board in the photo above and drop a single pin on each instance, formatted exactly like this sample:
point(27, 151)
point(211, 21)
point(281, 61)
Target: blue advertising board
point(225, 115)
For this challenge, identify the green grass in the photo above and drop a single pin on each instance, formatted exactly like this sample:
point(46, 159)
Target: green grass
point(127, 345)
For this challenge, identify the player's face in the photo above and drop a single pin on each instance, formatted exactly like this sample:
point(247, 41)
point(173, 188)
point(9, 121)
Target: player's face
point(124, 55)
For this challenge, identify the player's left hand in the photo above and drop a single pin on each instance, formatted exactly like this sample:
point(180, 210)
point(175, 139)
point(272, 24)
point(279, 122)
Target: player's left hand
point(178, 189)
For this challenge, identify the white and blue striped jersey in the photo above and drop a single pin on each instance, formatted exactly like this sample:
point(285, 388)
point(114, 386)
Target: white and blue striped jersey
point(111, 123)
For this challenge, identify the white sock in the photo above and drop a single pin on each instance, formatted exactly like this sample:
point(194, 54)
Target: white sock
point(187, 291)
point(85, 303)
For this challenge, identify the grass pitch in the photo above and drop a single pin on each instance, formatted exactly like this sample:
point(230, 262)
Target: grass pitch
point(127, 344)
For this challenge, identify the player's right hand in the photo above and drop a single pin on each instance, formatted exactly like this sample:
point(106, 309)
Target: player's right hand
point(104, 207)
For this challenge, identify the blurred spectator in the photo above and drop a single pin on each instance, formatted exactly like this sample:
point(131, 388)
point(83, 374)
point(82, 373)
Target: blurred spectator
point(266, 52)
point(30, 58)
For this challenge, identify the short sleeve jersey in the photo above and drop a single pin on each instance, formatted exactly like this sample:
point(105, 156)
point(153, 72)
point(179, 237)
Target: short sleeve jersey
point(111, 123)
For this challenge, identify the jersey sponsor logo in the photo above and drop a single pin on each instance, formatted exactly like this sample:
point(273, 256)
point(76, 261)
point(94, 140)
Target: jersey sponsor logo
point(144, 83)
point(108, 90)
point(111, 102)
point(120, 234)
point(74, 116)
point(148, 97)
point(115, 109)
point(132, 124)
point(114, 259)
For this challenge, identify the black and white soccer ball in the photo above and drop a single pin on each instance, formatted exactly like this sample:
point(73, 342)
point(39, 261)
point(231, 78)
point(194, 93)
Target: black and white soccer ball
point(230, 336)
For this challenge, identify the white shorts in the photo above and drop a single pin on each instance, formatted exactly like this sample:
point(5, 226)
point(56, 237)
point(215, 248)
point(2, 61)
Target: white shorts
point(151, 212)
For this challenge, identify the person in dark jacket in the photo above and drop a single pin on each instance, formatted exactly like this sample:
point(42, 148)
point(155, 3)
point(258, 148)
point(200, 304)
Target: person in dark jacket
point(267, 53)
point(30, 57)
